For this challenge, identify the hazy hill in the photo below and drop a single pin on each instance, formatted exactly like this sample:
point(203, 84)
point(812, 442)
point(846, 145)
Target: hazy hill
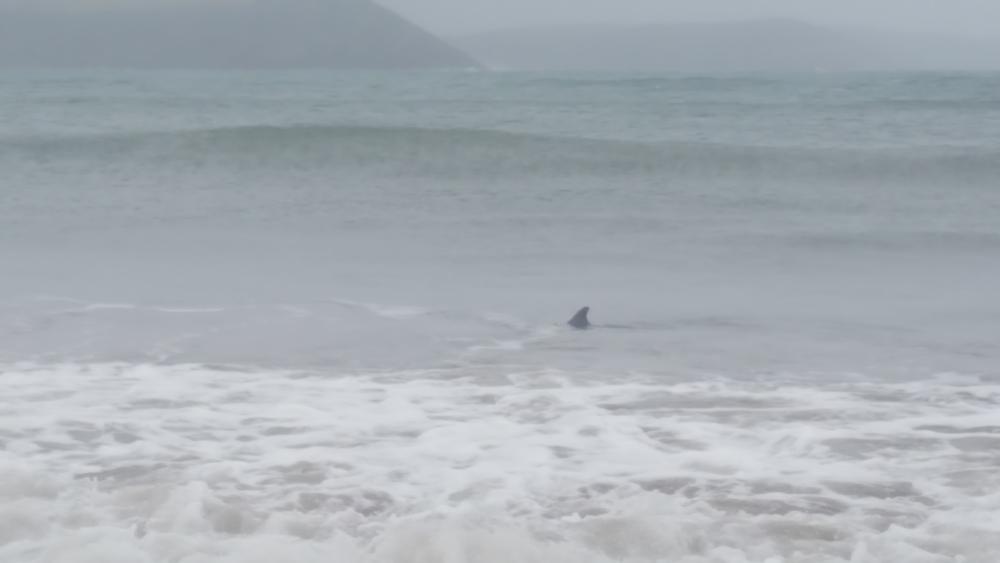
point(234, 34)
point(770, 45)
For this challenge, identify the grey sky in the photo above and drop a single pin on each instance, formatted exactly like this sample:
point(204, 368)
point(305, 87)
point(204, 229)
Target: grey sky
point(964, 17)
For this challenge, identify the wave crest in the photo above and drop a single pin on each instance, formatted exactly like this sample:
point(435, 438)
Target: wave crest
point(496, 154)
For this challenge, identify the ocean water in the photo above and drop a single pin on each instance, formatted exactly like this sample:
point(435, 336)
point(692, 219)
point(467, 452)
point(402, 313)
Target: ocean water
point(313, 317)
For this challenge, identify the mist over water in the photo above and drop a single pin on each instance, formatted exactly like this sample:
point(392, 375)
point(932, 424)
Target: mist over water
point(321, 315)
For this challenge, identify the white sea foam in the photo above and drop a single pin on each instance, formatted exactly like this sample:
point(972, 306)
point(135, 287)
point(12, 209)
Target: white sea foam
point(155, 309)
point(396, 312)
point(117, 462)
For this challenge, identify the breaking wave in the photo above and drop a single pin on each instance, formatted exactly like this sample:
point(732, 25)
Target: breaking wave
point(119, 462)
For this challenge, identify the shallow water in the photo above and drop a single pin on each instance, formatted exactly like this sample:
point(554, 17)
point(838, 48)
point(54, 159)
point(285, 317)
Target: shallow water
point(319, 316)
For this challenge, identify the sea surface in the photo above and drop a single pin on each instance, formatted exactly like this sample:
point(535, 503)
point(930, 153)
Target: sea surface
point(317, 316)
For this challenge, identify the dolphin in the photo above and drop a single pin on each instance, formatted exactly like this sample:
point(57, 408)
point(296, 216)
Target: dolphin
point(579, 320)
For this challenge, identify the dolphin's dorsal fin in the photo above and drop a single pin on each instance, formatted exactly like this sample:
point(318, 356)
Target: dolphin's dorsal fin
point(580, 320)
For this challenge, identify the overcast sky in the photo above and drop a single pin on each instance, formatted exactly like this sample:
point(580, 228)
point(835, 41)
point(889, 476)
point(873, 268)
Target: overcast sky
point(965, 17)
